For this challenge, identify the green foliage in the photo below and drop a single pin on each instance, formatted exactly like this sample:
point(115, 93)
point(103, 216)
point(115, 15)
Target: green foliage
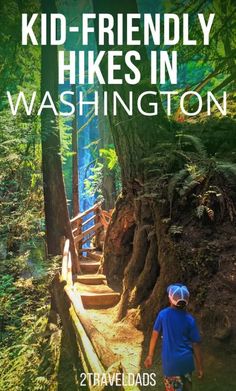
point(21, 180)
point(111, 157)
point(228, 171)
point(29, 357)
point(20, 65)
point(176, 230)
point(21, 362)
point(206, 178)
point(203, 209)
point(93, 184)
point(21, 198)
point(106, 162)
point(10, 307)
point(186, 140)
point(212, 67)
point(23, 292)
point(66, 139)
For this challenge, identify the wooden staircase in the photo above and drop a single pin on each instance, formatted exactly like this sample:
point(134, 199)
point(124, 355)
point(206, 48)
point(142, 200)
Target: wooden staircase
point(83, 293)
point(92, 286)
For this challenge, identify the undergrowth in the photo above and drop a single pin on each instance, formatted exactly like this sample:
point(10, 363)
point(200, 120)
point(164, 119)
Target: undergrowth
point(29, 354)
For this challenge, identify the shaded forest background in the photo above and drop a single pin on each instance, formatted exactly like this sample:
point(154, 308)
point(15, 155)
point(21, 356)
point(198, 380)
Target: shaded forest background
point(175, 216)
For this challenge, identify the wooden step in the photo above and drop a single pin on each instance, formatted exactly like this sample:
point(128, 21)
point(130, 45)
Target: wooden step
point(100, 300)
point(98, 288)
point(91, 279)
point(87, 249)
point(97, 255)
point(89, 266)
point(88, 258)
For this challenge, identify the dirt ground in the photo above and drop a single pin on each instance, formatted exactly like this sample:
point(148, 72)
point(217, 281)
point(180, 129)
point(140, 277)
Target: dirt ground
point(122, 338)
point(132, 346)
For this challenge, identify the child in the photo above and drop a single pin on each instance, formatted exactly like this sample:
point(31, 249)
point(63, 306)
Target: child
point(180, 341)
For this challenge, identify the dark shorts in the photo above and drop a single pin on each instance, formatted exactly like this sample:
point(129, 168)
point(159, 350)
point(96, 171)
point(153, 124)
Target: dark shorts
point(178, 383)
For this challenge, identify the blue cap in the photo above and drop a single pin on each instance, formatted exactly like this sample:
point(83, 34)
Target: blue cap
point(178, 293)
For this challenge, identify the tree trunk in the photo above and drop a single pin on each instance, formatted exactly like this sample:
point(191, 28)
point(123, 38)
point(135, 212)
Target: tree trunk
point(131, 245)
point(75, 168)
point(108, 176)
point(55, 204)
point(134, 137)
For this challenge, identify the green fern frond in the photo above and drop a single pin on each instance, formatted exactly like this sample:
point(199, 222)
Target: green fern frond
point(228, 171)
point(178, 177)
point(200, 211)
point(197, 144)
point(188, 186)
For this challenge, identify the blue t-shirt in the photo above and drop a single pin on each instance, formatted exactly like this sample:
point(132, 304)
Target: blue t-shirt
point(179, 331)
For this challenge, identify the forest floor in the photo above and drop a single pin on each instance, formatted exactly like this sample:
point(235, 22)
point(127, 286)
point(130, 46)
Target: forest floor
point(132, 345)
point(123, 339)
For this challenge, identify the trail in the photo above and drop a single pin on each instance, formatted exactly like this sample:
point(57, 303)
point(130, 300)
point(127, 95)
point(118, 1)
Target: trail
point(105, 345)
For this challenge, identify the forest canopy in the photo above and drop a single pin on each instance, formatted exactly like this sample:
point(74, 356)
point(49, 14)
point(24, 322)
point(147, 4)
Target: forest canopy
point(86, 67)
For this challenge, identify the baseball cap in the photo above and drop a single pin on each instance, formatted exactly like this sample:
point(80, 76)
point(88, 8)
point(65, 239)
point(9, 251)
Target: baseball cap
point(178, 293)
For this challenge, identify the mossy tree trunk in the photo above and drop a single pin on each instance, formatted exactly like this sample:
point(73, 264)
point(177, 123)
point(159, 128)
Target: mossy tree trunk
point(108, 176)
point(55, 204)
point(133, 247)
point(75, 168)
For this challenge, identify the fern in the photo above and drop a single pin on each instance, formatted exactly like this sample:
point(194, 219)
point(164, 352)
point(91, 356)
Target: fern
point(178, 177)
point(197, 144)
point(176, 230)
point(188, 186)
point(200, 211)
point(228, 171)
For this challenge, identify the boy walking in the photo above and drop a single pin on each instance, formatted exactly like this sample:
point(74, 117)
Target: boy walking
point(181, 341)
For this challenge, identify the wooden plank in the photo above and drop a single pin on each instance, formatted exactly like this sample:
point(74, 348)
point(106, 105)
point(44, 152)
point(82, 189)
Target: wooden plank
point(61, 305)
point(107, 214)
point(89, 220)
point(87, 249)
point(100, 300)
point(87, 349)
point(65, 260)
point(85, 233)
point(96, 255)
point(104, 353)
point(91, 279)
point(89, 267)
point(64, 269)
point(75, 298)
point(62, 243)
point(81, 215)
point(92, 234)
point(66, 247)
point(91, 229)
point(69, 271)
point(104, 221)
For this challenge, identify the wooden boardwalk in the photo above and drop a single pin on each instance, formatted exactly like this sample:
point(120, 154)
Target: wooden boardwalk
point(85, 290)
point(90, 285)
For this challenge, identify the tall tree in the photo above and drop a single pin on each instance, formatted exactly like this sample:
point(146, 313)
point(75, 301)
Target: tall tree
point(75, 168)
point(56, 211)
point(133, 137)
point(127, 247)
point(139, 251)
point(108, 176)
